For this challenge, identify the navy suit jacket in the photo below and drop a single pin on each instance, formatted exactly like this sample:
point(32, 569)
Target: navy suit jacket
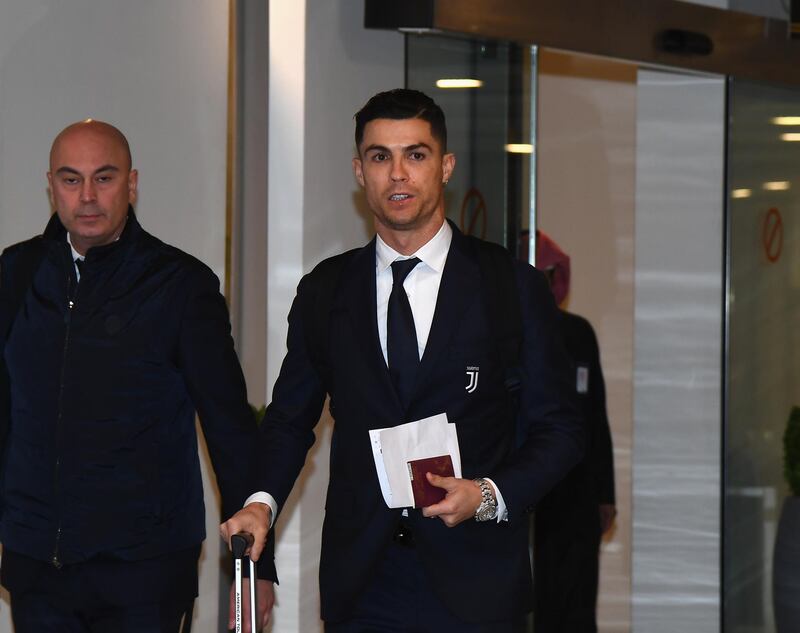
point(473, 564)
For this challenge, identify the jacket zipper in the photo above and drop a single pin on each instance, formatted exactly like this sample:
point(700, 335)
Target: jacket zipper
point(71, 292)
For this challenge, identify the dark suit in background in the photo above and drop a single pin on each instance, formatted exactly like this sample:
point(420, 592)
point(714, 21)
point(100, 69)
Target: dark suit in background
point(567, 521)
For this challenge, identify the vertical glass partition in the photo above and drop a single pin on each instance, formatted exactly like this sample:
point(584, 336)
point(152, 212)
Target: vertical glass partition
point(764, 344)
point(477, 84)
point(643, 178)
point(629, 181)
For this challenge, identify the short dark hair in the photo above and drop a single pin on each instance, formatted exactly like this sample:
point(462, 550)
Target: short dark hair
point(402, 103)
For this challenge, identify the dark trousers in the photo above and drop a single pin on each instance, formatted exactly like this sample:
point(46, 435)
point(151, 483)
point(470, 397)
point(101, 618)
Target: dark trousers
point(400, 599)
point(102, 596)
point(565, 574)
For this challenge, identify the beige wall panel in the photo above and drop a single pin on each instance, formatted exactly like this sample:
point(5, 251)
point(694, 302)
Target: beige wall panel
point(586, 194)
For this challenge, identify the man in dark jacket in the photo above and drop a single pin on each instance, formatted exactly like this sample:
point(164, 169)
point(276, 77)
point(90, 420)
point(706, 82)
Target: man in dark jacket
point(572, 517)
point(110, 340)
point(409, 333)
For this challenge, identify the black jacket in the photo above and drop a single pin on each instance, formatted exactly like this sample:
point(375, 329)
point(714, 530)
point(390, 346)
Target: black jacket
point(474, 564)
point(591, 483)
point(104, 378)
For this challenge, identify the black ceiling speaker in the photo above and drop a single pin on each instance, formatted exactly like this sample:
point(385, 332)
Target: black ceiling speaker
point(402, 14)
point(682, 42)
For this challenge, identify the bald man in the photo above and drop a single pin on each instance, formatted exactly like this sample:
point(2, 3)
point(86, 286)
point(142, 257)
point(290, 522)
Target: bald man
point(110, 341)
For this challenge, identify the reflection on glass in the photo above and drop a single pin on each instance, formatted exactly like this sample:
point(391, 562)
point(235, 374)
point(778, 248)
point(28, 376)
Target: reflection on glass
point(777, 185)
point(458, 83)
point(519, 148)
point(786, 120)
point(764, 345)
point(474, 82)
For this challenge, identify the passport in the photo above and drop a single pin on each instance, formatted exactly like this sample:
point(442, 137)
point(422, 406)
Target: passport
point(426, 494)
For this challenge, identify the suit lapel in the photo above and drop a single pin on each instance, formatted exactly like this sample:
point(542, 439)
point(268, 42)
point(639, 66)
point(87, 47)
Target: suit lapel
point(458, 289)
point(359, 295)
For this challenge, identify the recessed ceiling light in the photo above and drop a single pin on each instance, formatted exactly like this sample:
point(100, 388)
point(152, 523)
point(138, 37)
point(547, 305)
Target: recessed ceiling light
point(791, 136)
point(519, 148)
point(777, 185)
point(741, 193)
point(786, 120)
point(458, 83)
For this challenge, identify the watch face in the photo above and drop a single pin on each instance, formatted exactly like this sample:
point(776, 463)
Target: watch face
point(486, 512)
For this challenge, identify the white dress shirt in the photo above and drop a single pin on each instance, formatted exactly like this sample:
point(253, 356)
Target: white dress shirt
point(422, 287)
point(75, 257)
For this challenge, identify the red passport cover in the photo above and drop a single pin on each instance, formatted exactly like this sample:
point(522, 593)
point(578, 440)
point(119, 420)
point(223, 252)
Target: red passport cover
point(426, 494)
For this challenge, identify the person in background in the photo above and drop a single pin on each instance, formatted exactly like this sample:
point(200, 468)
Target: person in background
point(571, 518)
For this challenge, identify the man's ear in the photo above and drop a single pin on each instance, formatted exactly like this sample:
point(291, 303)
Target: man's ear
point(133, 186)
point(50, 193)
point(358, 171)
point(448, 165)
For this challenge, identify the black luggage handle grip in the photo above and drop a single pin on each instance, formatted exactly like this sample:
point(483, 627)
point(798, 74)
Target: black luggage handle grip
point(240, 542)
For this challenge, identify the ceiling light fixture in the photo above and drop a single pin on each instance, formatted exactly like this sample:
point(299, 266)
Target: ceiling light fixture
point(458, 83)
point(777, 185)
point(519, 148)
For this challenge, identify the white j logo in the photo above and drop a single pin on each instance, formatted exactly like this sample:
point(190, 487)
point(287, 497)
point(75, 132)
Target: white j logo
point(472, 379)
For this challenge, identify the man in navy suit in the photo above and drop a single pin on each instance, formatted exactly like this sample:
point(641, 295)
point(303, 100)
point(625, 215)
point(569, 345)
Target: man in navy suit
point(409, 326)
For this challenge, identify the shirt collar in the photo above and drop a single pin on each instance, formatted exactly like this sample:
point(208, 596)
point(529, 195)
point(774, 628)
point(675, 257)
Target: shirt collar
point(433, 253)
point(75, 254)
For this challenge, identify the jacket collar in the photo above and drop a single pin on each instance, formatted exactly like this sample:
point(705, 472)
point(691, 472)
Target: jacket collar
point(55, 232)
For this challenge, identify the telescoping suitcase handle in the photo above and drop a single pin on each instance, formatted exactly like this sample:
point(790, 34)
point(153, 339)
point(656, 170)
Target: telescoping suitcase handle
point(239, 544)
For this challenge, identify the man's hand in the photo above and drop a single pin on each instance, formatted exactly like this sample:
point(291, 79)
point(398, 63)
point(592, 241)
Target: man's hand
point(463, 498)
point(265, 598)
point(254, 518)
point(608, 513)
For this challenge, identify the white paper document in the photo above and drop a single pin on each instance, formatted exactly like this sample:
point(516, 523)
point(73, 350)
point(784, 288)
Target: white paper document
point(394, 447)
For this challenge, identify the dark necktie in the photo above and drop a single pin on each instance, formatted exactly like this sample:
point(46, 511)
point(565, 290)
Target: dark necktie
point(401, 335)
point(79, 265)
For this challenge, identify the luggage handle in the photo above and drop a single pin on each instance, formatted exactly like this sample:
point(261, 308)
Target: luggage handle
point(239, 544)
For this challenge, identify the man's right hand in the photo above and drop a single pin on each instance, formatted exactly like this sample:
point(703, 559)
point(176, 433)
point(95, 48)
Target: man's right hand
point(254, 518)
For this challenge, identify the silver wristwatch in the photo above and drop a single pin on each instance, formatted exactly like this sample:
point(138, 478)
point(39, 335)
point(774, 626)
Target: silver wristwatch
point(488, 508)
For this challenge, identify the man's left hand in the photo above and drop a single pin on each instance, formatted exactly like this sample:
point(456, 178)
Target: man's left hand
point(463, 498)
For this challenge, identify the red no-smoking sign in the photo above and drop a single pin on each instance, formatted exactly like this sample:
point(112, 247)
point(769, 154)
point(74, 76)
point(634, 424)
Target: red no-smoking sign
point(772, 235)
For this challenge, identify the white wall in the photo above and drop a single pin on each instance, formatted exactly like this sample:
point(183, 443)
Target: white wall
point(158, 70)
point(323, 67)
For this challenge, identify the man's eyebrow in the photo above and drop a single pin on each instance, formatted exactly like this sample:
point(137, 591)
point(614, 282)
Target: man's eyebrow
point(108, 167)
point(66, 169)
point(377, 148)
point(408, 148)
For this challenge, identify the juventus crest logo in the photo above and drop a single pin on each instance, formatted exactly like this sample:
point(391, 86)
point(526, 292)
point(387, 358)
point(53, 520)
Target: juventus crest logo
point(472, 378)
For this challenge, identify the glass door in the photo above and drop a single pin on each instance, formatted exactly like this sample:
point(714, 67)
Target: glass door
point(763, 355)
point(623, 166)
